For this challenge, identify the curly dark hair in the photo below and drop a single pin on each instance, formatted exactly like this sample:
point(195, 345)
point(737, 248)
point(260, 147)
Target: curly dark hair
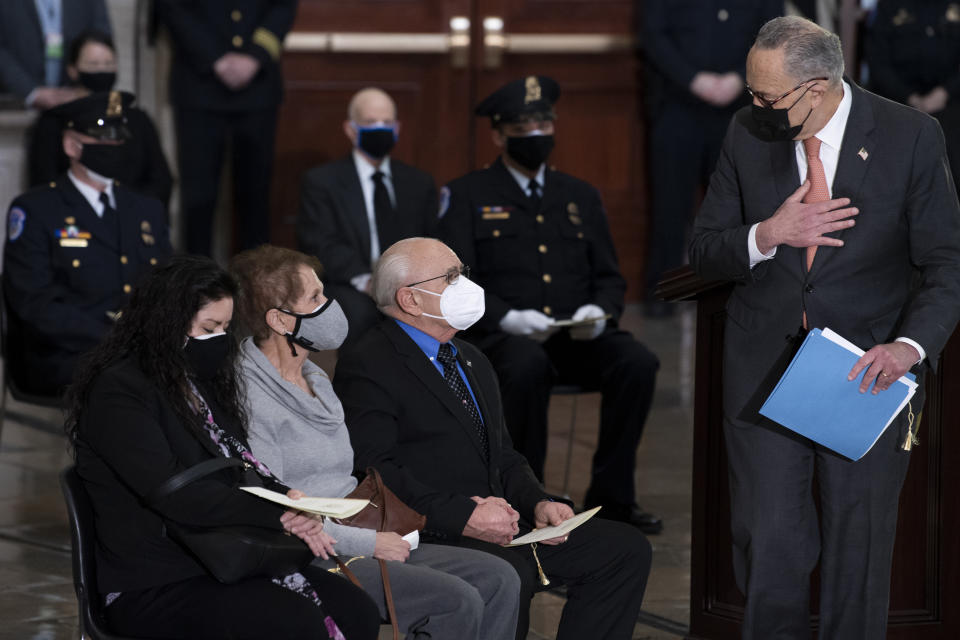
point(152, 329)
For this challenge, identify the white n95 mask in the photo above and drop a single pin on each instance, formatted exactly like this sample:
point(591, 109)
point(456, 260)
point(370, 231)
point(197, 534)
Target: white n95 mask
point(461, 303)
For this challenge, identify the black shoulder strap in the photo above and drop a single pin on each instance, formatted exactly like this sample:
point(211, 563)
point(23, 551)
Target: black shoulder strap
point(187, 476)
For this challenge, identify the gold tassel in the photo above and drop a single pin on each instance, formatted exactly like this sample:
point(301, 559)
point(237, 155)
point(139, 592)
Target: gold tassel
point(543, 577)
point(912, 438)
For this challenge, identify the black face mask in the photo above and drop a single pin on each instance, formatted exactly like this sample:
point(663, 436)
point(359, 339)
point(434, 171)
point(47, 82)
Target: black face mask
point(206, 355)
point(106, 159)
point(773, 125)
point(376, 142)
point(97, 80)
point(530, 151)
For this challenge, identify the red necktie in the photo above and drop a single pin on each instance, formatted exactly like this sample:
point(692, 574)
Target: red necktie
point(818, 189)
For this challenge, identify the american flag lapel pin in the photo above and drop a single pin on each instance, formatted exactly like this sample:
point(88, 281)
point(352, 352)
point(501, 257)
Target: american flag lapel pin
point(863, 154)
point(469, 364)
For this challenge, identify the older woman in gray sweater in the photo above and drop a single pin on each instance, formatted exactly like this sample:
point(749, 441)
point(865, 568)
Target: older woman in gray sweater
point(297, 430)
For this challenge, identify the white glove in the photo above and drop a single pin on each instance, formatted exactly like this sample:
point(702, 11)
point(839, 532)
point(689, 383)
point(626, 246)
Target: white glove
point(590, 331)
point(528, 322)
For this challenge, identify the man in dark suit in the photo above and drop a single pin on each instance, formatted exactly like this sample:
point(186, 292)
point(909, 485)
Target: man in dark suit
point(424, 409)
point(225, 83)
point(540, 246)
point(352, 208)
point(695, 51)
point(76, 248)
point(34, 38)
point(830, 207)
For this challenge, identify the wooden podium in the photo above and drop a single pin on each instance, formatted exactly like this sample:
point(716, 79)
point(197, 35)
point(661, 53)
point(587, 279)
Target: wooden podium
point(925, 593)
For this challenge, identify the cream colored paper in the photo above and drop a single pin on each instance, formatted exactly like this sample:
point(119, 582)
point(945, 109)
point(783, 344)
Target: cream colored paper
point(558, 531)
point(330, 507)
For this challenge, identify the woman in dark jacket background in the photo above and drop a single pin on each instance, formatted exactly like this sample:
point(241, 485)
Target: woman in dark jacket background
point(158, 396)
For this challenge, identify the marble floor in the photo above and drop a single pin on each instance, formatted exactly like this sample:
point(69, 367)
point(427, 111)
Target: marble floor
point(36, 591)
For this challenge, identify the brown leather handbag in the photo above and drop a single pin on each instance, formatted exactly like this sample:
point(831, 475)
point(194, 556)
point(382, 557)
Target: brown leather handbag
point(386, 512)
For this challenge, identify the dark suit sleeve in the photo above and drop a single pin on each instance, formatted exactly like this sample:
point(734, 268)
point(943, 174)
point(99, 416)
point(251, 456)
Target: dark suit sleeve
point(46, 149)
point(100, 20)
point(373, 414)
point(14, 77)
point(660, 48)
point(122, 427)
point(718, 248)
point(194, 40)
point(267, 41)
point(880, 50)
point(455, 228)
point(608, 284)
point(33, 293)
point(934, 219)
point(156, 179)
point(320, 234)
point(430, 205)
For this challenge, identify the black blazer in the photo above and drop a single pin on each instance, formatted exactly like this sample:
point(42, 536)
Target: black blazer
point(202, 32)
point(406, 422)
point(898, 273)
point(333, 224)
point(22, 65)
point(130, 441)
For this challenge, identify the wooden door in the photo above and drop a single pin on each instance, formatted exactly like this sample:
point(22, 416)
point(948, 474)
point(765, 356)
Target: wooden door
point(438, 58)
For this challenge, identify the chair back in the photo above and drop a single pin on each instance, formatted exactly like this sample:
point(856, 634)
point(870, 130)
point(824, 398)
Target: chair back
point(8, 332)
point(83, 539)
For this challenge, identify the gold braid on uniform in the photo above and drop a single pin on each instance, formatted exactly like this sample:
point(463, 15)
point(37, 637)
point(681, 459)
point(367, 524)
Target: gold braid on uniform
point(268, 41)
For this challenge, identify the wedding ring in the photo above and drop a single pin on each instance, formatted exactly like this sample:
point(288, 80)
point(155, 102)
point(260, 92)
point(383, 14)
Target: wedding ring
point(884, 374)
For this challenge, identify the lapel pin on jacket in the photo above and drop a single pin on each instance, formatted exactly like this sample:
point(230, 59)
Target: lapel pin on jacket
point(863, 154)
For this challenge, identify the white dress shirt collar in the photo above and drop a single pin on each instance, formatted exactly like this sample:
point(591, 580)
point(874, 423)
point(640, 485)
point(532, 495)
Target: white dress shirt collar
point(91, 195)
point(524, 181)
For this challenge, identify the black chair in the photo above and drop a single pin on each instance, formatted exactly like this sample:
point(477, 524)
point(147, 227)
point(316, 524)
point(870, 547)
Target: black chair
point(9, 383)
point(83, 539)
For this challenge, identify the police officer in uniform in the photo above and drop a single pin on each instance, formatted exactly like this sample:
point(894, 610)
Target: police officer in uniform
point(913, 52)
point(226, 85)
point(76, 247)
point(695, 52)
point(538, 242)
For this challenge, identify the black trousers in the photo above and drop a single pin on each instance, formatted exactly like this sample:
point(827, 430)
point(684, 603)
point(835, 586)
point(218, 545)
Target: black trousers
point(201, 142)
point(360, 309)
point(203, 608)
point(616, 364)
point(685, 142)
point(604, 566)
point(777, 537)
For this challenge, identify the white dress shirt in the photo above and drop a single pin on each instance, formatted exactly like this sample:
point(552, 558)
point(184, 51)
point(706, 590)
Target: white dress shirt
point(524, 181)
point(90, 194)
point(365, 172)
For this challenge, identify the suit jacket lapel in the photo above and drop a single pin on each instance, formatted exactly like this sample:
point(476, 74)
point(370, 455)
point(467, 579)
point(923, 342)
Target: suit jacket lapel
point(860, 134)
point(487, 411)
point(786, 175)
point(427, 373)
point(356, 205)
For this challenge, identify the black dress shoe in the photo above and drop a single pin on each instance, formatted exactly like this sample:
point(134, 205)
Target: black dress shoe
point(633, 515)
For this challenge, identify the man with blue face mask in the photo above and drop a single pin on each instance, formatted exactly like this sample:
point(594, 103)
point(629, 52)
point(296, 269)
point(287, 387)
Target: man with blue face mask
point(353, 208)
point(540, 246)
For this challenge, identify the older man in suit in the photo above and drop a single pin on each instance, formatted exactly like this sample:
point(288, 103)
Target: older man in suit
point(353, 208)
point(424, 408)
point(829, 207)
point(34, 37)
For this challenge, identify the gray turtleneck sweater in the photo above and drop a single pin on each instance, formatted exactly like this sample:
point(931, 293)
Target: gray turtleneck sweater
point(302, 439)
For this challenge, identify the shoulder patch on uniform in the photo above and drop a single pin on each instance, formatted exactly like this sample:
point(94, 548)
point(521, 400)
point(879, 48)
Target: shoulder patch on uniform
point(444, 201)
point(15, 221)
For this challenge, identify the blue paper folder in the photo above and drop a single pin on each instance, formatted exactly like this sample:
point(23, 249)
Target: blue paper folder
point(815, 399)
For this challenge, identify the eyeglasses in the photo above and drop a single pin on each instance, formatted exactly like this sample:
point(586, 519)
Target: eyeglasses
point(770, 103)
point(449, 277)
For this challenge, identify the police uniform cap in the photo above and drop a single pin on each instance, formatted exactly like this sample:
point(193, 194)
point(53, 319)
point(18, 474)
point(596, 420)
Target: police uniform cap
point(531, 96)
point(102, 115)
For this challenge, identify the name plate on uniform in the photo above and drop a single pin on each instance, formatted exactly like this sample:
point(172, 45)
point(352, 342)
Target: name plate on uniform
point(74, 242)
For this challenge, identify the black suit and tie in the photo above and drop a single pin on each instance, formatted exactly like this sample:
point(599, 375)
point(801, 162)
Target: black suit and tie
point(22, 48)
point(406, 420)
point(897, 275)
point(335, 226)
